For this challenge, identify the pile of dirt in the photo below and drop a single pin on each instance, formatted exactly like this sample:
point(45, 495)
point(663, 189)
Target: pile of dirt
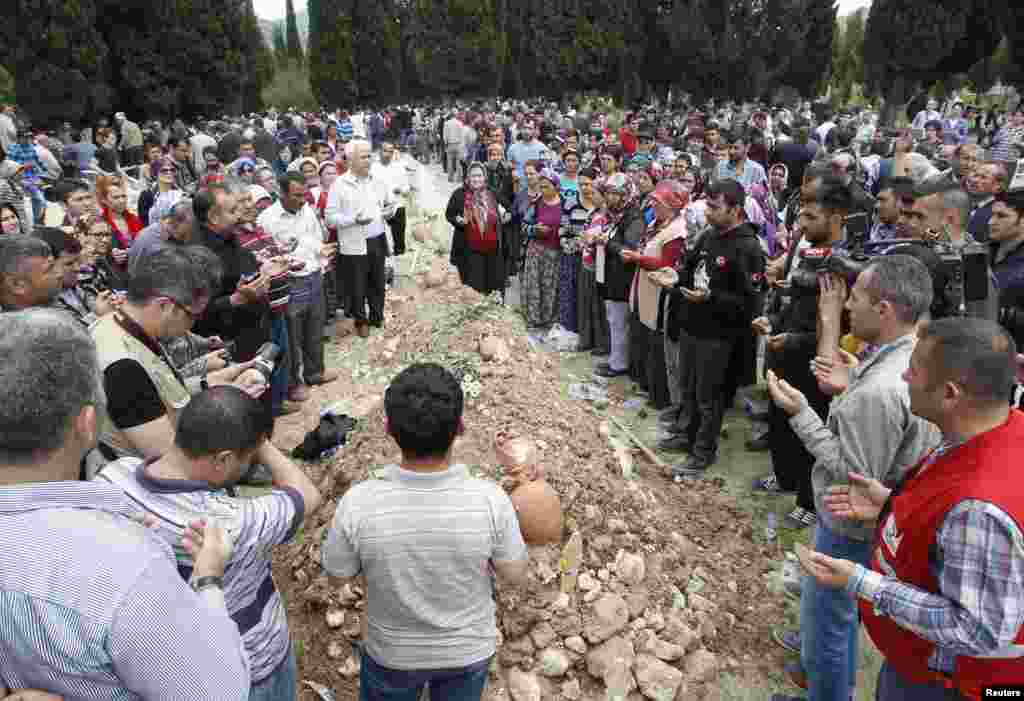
point(672, 587)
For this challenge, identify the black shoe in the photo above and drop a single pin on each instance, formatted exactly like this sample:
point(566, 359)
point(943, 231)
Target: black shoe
point(678, 443)
point(600, 352)
point(693, 468)
point(758, 445)
point(606, 371)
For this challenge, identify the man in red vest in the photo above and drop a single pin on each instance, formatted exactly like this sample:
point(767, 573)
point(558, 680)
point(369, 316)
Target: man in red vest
point(944, 597)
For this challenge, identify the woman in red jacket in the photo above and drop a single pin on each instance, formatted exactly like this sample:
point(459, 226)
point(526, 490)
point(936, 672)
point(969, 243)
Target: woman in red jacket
point(124, 225)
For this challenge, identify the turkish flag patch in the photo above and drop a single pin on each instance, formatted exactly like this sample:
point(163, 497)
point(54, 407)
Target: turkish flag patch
point(756, 277)
point(720, 261)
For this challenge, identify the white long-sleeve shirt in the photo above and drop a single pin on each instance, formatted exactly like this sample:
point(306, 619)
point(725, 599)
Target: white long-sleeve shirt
point(453, 133)
point(348, 198)
point(393, 176)
point(302, 226)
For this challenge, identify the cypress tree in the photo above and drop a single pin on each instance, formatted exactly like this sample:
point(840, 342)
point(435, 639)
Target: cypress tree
point(331, 68)
point(292, 33)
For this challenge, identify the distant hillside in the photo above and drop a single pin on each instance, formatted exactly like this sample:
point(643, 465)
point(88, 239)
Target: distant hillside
point(268, 25)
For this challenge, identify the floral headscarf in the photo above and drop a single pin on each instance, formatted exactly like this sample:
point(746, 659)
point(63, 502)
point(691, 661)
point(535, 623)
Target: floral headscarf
point(480, 203)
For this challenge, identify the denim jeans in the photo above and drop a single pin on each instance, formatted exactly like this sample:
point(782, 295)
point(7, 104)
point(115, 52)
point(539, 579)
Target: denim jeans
point(377, 683)
point(279, 378)
point(829, 624)
point(38, 205)
point(282, 685)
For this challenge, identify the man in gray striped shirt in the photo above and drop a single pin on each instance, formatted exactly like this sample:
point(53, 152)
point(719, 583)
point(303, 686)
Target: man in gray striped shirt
point(220, 433)
point(91, 607)
point(426, 538)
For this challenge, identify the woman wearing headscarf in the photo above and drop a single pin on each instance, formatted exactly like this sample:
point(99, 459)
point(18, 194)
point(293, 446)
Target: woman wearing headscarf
point(12, 193)
point(478, 247)
point(543, 254)
point(662, 246)
point(621, 229)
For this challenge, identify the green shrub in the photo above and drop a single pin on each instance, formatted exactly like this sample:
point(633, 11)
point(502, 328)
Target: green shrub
point(290, 88)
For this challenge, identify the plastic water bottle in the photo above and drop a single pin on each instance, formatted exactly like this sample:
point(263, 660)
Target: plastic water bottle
point(771, 530)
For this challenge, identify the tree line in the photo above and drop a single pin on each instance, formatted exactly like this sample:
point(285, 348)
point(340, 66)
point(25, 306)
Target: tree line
point(75, 59)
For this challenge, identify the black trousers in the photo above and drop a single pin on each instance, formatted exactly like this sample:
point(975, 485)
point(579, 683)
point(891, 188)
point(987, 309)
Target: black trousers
point(397, 225)
point(703, 376)
point(791, 461)
point(364, 281)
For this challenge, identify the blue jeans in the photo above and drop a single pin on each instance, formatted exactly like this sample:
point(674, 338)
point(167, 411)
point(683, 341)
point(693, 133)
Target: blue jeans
point(829, 624)
point(282, 685)
point(280, 377)
point(377, 683)
point(38, 204)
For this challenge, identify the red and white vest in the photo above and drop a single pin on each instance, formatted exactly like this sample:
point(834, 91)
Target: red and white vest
point(986, 468)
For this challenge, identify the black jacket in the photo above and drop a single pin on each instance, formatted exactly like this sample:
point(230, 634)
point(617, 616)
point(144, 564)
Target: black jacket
point(618, 275)
point(248, 325)
point(733, 263)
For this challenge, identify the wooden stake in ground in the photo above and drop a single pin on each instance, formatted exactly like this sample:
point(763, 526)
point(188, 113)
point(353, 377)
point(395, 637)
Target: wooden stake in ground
point(639, 444)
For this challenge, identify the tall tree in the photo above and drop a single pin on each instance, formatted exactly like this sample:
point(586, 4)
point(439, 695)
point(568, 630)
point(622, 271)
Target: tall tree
point(331, 67)
point(259, 61)
point(280, 45)
point(910, 43)
point(292, 33)
point(58, 58)
point(848, 56)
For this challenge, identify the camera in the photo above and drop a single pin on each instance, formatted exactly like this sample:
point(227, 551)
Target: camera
point(266, 359)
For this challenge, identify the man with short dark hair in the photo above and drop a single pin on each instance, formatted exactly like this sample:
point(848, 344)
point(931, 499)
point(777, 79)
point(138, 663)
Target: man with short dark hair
point(887, 214)
point(287, 220)
point(719, 292)
point(941, 598)
point(985, 182)
point(186, 177)
point(738, 167)
point(870, 431)
point(93, 608)
point(238, 308)
point(220, 433)
point(430, 620)
point(30, 275)
point(1006, 256)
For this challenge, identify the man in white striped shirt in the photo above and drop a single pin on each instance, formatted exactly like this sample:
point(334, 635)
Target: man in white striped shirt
point(220, 432)
point(91, 606)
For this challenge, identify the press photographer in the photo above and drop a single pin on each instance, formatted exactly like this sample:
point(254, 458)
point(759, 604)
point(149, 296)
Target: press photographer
point(792, 336)
point(1006, 256)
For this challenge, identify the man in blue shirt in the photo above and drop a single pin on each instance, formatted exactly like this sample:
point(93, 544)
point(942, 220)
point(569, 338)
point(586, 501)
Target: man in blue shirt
point(738, 167)
point(24, 153)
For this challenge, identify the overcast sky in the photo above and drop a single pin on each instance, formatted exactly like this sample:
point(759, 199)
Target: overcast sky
point(273, 9)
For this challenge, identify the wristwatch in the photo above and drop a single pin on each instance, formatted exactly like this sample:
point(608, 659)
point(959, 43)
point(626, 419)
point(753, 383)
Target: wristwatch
point(200, 583)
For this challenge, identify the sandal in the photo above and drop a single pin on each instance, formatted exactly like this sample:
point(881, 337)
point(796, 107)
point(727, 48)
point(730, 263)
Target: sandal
point(800, 518)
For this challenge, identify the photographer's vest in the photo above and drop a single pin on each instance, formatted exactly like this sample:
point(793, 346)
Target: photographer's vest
point(119, 338)
point(986, 468)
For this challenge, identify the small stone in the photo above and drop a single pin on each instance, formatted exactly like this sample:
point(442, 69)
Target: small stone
point(543, 635)
point(301, 577)
point(708, 630)
point(699, 603)
point(591, 514)
point(523, 645)
point(668, 652)
point(523, 686)
point(732, 586)
point(553, 662)
point(695, 585)
point(600, 658)
point(586, 582)
point(604, 574)
point(335, 618)
point(602, 542)
point(335, 650)
point(657, 680)
point(700, 665)
point(576, 644)
point(349, 668)
point(608, 616)
point(592, 595)
point(571, 689)
point(561, 602)
point(677, 631)
point(568, 622)
point(617, 525)
point(631, 567)
point(655, 620)
point(730, 619)
point(686, 547)
point(637, 600)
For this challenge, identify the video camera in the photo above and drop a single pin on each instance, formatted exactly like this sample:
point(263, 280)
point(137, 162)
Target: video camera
point(965, 271)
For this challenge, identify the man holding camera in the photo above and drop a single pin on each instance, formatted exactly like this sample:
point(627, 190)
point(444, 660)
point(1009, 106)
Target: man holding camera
point(941, 598)
point(792, 336)
point(870, 431)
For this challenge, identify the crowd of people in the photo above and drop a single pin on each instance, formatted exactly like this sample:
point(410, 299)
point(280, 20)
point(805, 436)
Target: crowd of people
point(166, 293)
